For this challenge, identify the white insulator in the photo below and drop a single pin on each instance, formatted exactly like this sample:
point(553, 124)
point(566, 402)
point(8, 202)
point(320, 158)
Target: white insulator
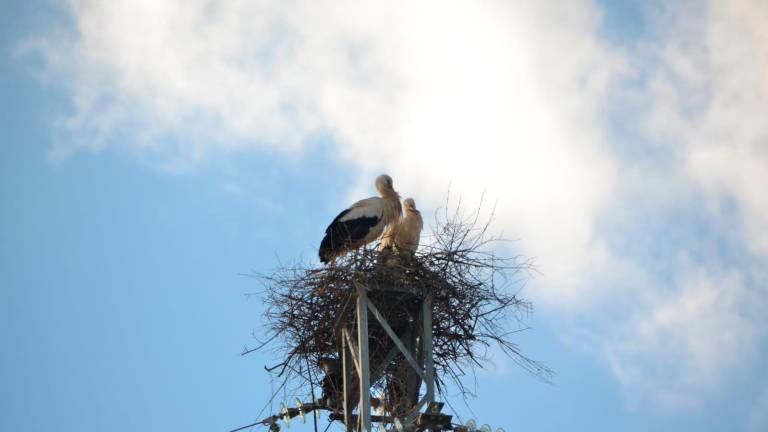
point(300, 407)
point(471, 425)
point(286, 417)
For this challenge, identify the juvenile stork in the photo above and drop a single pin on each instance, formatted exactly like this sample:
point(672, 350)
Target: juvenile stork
point(403, 236)
point(363, 222)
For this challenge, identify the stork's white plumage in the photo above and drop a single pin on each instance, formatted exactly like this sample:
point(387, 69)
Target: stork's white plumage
point(363, 222)
point(404, 235)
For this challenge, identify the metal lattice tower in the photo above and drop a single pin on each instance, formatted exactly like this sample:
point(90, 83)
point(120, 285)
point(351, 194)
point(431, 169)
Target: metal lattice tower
point(358, 369)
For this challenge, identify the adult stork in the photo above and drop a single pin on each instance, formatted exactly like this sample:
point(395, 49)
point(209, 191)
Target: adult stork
point(363, 222)
point(403, 236)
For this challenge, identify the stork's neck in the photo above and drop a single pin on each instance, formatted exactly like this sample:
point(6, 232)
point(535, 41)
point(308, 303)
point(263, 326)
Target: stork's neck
point(389, 194)
point(393, 210)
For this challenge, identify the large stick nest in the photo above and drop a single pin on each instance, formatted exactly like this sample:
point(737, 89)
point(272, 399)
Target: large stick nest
point(475, 304)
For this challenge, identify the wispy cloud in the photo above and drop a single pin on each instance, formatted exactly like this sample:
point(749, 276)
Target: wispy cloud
point(704, 89)
point(516, 100)
point(684, 343)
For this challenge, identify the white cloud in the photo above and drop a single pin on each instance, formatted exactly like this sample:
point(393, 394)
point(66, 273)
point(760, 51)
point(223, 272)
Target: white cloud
point(495, 97)
point(710, 97)
point(509, 98)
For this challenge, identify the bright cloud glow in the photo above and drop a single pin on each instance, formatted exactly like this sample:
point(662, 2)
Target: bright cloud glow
point(488, 97)
point(510, 99)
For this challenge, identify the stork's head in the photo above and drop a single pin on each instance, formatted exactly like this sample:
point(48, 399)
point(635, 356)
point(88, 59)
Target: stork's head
point(409, 204)
point(384, 184)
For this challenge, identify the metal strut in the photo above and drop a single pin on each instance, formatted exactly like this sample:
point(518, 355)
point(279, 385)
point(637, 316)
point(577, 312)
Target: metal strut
point(355, 355)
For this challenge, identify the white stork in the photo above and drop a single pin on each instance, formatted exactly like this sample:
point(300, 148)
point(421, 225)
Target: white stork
point(404, 235)
point(363, 222)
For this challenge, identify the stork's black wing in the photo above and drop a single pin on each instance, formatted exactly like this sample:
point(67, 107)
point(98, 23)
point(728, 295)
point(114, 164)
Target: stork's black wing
point(349, 227)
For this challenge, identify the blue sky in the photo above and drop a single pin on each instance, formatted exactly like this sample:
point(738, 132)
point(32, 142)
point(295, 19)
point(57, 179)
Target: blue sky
point(152, 152)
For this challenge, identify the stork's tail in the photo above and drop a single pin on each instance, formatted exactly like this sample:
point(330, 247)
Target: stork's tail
point(326, 252)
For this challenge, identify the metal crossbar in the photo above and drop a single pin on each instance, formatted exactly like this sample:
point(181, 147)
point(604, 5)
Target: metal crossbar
point(396, 340)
